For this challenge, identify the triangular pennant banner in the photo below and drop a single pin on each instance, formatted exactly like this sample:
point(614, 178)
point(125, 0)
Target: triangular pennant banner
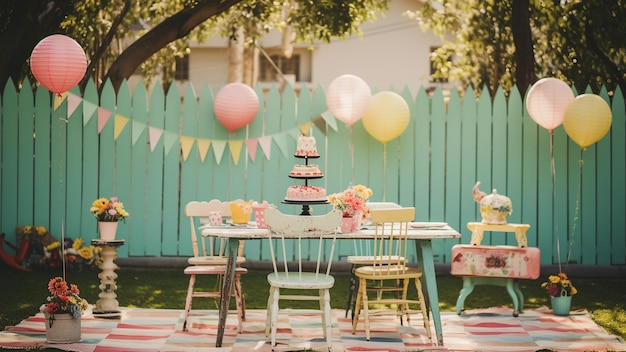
point(320, 124)
point(103, 118)
point(235, 150)
point(251, 145)
point(169, 139)
point(203, 147)
point(58, 100)
point(218, 150)
point(88, 111)
point(118, 125)
point(137, 130)
point(154, 134)
point(330, 119)
point(281, 142)
point(305, 128)
point(187, 143)
point(266, 145)
point(295, 132)
point(73, 101)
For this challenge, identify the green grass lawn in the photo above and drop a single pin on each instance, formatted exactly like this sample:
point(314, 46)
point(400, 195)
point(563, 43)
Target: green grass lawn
point(23, 293)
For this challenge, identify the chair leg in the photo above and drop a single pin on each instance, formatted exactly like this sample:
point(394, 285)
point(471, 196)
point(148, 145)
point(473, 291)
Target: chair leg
point(327, 321)
point(239, 303)
point(268, 319)
point(352, 290)
point(357, 309)
point(274, 309)
point(192, 282)
point(420, 296)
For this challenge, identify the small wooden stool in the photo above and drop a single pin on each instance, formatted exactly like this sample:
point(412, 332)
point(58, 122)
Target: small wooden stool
point(478, 228)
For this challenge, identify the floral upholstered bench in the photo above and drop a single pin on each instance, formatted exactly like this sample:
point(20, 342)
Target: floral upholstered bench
point(497, 266)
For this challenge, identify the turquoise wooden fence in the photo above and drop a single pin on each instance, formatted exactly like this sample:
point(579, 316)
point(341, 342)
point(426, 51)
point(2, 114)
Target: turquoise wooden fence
point(158, 151)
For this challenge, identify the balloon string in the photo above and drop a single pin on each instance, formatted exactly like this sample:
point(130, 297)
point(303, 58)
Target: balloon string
point(576, 209)
point(384, 172)
point(556, 225)
point(62, 198)
point(352, 152)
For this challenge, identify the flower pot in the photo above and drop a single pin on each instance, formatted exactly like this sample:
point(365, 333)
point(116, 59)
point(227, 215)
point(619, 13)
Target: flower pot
point(561, 305)
point(351, 224)
point(62, 328)
point(107, 230)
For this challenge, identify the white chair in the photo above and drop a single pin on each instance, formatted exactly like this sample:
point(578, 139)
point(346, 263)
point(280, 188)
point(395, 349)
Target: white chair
point(289, 233)
point(363, 256)
point(390, 248)
point(212, 261)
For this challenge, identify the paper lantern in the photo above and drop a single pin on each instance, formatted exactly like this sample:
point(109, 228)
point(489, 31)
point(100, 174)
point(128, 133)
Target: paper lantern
point(235, 106)
point(387, 116)
point(587, 119)
point(58, 62)
point(347, 98)
point(547, 100)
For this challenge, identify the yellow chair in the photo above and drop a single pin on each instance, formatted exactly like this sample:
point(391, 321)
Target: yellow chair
point(363, 256)
point(212, 261)
point(389, 268)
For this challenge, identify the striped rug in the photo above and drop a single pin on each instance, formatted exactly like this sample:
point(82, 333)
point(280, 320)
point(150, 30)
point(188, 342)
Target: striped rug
point(491, 329)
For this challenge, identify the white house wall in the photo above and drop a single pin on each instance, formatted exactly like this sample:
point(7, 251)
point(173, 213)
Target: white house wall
point(393, 52)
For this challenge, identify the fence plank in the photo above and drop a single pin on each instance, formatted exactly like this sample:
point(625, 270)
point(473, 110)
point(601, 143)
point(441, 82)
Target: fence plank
point(449, 145)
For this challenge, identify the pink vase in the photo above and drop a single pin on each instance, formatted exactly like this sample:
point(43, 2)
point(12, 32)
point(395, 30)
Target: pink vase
point(107, 230)
point(351, 224)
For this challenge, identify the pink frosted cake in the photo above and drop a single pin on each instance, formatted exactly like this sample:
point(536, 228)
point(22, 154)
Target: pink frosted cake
point(306, 193)
point(305, 146)
point(305, 171)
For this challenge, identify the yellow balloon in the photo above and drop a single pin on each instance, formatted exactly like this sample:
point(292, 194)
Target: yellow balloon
point(387, 116)
point(587, 119)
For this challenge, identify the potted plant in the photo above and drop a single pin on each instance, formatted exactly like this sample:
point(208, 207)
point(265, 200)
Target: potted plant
point(108, 212)
point(63, 312)
point(561, 290)
point(351, 202)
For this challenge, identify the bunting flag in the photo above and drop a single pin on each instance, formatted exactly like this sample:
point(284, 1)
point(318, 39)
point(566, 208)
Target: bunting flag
point(218, 150)
point(266, 145)
point(330, 119)
point(251, 145)
point(186, 143)
point(137, 130)
point(73, 101)
point(118, 125)
point(88, 111)
point(306, 128)
point(235, 150)
point(203, 147)
point(58, 100)
point(154, 134)
point(170, 138)
point(103, 118)
point(320, 124)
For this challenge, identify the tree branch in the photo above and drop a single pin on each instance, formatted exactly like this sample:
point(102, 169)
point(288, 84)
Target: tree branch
point(173, 28)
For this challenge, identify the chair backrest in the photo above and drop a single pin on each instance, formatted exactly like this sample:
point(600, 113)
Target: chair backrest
point(293, 232)
point(364, 247)
point(198, 214)
point(391, 235)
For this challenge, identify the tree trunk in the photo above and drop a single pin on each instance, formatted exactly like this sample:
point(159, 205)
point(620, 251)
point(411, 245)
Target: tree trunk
point(173, 28)
point(236, 58)
point(524, 53)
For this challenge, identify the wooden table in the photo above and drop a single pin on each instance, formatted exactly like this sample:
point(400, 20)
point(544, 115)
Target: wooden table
point(423, 244)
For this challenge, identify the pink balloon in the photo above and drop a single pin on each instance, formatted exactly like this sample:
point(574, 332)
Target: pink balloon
point(236, 105)
point(348, 97)
point(547, 100)
point(58, 62)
